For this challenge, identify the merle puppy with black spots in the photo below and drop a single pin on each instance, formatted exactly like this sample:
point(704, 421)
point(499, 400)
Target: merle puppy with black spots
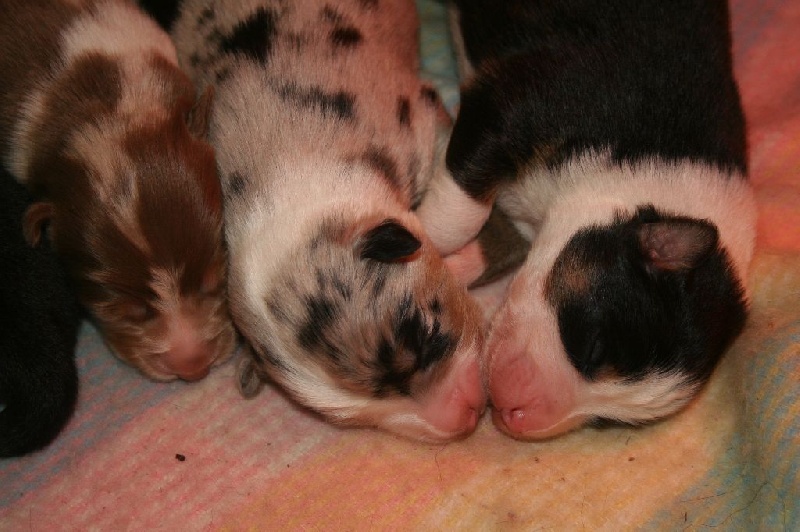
point(326, 138)
point(613, 135)
point(39, 331)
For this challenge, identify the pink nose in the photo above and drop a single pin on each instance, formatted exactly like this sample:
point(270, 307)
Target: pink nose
point(527, 423)
point(514, 421)
point(510, 388)
point(528, 403)
point(189, 357)
point(192, 374)
point(459, 403)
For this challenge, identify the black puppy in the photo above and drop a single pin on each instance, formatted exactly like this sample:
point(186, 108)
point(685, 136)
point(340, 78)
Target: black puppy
point(38, 377)
point(613, 135)
point(164, 12)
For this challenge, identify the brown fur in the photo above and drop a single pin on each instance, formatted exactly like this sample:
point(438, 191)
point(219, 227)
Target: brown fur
point(132, 203)
point(41, 22)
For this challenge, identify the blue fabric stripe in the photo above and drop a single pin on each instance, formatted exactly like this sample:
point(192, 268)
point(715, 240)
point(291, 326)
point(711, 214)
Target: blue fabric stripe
point(759, 491)
point(110, 378)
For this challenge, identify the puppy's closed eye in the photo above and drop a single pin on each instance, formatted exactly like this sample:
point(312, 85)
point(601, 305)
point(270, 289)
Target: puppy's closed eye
point(137, 312)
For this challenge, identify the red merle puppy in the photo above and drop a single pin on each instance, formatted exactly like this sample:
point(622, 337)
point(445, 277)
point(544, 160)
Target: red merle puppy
point(106, 133)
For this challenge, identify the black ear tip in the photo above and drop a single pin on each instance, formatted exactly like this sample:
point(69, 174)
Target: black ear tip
point(389, 241)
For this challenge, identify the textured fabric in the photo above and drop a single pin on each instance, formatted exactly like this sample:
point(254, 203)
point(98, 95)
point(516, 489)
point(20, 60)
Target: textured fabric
point(729, 462)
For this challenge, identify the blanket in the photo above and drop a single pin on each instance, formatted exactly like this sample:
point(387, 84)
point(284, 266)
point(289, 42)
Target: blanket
point(144, 456)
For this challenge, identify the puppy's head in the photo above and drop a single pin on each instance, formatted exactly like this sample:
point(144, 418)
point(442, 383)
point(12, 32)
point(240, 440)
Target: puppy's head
point(364, 325)
point(626, 324)
point(137, 220)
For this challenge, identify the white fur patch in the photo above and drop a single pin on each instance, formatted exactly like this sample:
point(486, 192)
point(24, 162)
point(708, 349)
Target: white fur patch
point(654, 397)
point(117, 29)
point(19, 159)
point(450, 216)
point(122, 32)
point(591, 191)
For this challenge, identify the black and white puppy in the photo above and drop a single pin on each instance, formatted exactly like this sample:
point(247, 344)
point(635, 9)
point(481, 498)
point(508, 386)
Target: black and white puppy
point(326, 137)
point(613, 135)
point(38, 333)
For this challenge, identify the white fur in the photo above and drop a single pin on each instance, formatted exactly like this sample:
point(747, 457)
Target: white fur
point(590, 190)
point(295, 177)
point(450, 216)
point(20, 158)
point(116, 29)
point(654, 397)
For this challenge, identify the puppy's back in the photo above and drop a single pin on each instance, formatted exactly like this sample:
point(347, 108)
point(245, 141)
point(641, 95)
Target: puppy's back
point(38, 377)
point(642, 81)
point(21, 65)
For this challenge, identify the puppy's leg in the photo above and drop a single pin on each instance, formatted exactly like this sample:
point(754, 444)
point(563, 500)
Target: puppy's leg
point(498, 250)
point(450, 215)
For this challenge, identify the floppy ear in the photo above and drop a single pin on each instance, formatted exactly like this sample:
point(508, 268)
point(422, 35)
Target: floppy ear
point(388, 242)
point(676, 245)
point(199, 118)
point(248, 379)
point(34, 220)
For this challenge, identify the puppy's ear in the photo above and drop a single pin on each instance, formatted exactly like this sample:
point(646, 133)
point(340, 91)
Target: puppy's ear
point(676, 245)
point(199, 118)
point(34, 220)
point(501, 248)
point(248, 379)
point(388, 242)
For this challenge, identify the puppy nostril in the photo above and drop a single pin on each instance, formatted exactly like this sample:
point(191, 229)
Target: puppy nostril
point(513, 417)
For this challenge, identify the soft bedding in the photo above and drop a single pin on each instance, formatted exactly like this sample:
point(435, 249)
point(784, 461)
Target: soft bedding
point(145, 456)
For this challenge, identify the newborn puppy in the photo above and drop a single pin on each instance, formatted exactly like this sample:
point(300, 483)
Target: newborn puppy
point(104, 130)
point(612, 134)
point(326, 138)
point(39, 329)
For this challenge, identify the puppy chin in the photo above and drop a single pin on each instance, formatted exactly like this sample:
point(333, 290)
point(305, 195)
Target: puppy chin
point(154, 373)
